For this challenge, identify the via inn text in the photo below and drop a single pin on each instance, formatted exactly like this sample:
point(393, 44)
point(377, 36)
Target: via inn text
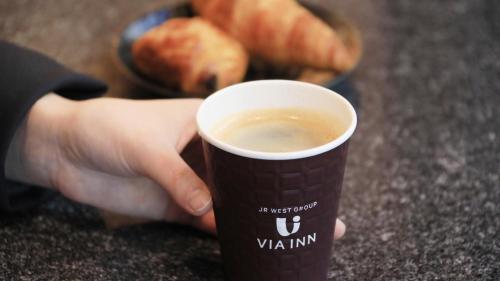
point(288, 240)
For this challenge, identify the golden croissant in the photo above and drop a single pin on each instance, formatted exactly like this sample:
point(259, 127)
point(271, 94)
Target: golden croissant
point(279, 31)
point(192, 55)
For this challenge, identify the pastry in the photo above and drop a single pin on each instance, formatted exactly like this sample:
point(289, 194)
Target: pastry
point(192, 55)
point(280, 31)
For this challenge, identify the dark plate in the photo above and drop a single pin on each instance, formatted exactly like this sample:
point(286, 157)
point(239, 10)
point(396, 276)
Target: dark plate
point(256, 70)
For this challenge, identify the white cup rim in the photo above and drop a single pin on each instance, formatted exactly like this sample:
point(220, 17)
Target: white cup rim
point(205, 134)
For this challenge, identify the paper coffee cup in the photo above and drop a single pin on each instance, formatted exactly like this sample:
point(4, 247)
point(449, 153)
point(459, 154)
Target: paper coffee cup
point(275, 212)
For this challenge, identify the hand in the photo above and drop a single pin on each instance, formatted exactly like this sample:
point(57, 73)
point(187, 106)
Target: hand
point(119, 155)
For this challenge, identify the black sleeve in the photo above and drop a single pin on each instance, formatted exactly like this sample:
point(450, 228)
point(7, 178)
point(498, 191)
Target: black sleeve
point(25, 76)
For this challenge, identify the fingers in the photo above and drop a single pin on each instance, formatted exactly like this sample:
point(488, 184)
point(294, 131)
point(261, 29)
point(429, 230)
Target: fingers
point(137, 197)
point(181, 182)
point(339, 229)
point(205, 223)
point(187, 122)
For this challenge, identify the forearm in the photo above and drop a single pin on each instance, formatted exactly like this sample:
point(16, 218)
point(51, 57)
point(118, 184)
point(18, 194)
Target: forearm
point(26, 77)
point(33, 156)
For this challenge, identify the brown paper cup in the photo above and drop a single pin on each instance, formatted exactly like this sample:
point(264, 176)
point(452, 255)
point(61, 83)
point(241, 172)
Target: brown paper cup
point(275, 212)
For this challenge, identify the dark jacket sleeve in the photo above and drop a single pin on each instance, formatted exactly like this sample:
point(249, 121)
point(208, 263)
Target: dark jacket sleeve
point(25, 76)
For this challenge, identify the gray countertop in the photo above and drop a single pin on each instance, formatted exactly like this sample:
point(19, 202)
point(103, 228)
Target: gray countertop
point(421, 195)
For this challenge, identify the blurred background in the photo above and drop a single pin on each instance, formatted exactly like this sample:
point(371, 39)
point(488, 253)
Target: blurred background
point(421, 196)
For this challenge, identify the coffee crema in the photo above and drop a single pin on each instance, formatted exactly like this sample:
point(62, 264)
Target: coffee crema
point(278, 129)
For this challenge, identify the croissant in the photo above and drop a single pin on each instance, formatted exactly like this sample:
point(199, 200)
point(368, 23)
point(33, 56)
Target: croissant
point(190, 54)
point(279, 31)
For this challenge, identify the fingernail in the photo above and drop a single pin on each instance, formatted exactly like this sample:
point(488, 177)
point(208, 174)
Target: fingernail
point(339, 229)
point(200, 203)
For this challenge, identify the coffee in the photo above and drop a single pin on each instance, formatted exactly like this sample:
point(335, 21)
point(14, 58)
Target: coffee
point(278, 129)
point(275, 210)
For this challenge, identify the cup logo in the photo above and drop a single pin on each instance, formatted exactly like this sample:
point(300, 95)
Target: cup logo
point(286, 240)
point(283, 230)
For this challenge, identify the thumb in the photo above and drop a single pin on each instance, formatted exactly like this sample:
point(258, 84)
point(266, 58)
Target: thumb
point(181, 182)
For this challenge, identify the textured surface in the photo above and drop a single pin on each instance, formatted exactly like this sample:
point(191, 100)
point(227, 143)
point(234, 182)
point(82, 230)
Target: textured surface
point(252, 196)
point(421, 196)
